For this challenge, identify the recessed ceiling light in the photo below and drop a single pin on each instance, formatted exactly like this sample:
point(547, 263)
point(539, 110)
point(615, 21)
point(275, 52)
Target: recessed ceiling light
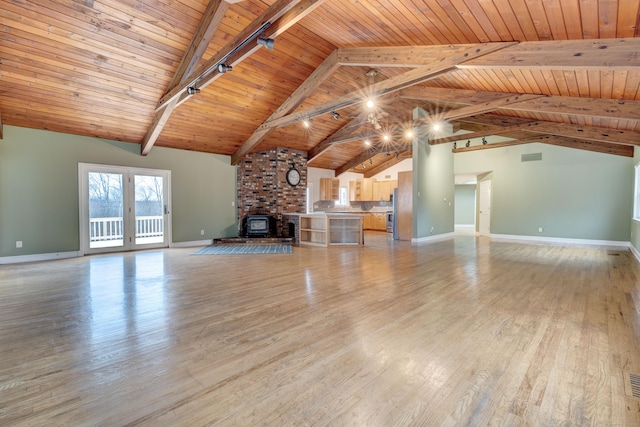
point(370, 103)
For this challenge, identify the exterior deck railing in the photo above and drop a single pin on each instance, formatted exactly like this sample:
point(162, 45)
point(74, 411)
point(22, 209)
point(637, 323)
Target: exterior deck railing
point(105, 229)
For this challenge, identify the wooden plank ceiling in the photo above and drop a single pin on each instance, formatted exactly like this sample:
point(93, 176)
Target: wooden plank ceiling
point(559, 72)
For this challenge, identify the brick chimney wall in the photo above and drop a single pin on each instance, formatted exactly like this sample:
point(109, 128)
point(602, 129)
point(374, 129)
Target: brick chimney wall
point(263, 187)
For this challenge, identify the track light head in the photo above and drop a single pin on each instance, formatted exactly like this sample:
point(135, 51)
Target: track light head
point(370, 161)
point(395, 154)
point(223, 68)
point(268, 43)
point(455, 145)
point(468, 143)
point(484, 141)
point(363, 166)
point(335, 115)
point(191, 90)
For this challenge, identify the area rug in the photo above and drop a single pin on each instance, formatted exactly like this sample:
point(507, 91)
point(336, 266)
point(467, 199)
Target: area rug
point(244, 249)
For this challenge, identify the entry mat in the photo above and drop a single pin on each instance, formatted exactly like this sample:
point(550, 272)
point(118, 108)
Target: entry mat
point(243, 249)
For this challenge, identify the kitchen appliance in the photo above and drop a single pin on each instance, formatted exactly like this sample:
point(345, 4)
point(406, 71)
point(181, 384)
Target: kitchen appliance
point(394, 217)
point(389, 215)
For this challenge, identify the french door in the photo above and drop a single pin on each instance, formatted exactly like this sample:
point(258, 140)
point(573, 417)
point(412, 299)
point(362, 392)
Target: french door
point(122, 208)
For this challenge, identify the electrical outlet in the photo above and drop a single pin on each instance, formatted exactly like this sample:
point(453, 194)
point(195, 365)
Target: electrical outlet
point(18, 243)
point(233, 203)
point(202, 232)
point(539, 229)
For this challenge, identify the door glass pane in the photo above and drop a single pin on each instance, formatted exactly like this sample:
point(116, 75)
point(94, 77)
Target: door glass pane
point(149, 191)
point(106, 228)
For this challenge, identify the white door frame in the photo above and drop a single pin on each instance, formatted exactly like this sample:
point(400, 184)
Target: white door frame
point(128, 206)
point(484, 208)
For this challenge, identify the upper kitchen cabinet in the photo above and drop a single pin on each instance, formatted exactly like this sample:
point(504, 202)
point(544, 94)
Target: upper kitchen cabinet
point(329, 189)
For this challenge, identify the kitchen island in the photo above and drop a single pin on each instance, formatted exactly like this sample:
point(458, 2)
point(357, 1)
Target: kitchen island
point(328, 229)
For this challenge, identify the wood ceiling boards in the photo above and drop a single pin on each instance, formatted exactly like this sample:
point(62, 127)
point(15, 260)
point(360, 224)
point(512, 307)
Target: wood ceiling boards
point(109, 68)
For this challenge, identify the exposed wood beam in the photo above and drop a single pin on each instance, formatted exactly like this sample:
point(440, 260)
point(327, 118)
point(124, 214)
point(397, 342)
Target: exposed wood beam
point(344, 134)
point(562, 54)
point(492, 145)
point(211, 19)
point(316, 78)
point(473, 110)
point(391, 161)
point(588, 133)
point(369, 153)
point(404, 80)
point(282, 15)
point(396, 56)
point(566, 55)
point(564, 105)
point(491, 131)
point(599, 147)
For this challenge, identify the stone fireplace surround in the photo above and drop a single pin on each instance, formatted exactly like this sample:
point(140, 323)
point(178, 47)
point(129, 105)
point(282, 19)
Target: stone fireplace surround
point(263, 187)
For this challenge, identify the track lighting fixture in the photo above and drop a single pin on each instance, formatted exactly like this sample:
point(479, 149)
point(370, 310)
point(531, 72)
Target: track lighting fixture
point(335, 115)
point(386, 137)
point(370, 103)
point(468, 143)
point(367, 142)
point(370, 161)
point(396, 154)
point(306, 123)
point(191, 90)
point(484, 141)
point(223, 68)
point(455, 145)
point(363, 166)
point(268, 43)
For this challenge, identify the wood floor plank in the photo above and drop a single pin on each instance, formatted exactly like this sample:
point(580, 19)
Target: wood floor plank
point(461, 332)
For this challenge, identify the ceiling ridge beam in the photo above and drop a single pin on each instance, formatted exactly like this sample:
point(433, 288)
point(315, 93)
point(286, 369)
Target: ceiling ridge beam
point(566, 55)
point(211, 19)
point(414, 76)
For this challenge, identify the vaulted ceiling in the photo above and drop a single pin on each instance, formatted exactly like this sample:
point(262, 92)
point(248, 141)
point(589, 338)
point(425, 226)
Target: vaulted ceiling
point(561, 72)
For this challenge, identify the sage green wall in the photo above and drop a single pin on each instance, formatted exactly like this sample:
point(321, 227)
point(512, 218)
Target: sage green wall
point(635, 225)
point(570, 193)
point(433, 182)
point(465, 204)
point(39, 188)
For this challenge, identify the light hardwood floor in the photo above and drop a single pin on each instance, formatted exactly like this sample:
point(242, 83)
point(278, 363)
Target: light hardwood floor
point(464, 332)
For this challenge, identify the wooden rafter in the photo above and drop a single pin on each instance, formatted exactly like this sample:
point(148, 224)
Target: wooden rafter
point(599, 147)
point(588, 133)
point(389, 162)
point(207, 72)
point(320, 74)
point(564, 105)
point(211, 19)
point(396, 83)
point(475, 109)
point(369, 153)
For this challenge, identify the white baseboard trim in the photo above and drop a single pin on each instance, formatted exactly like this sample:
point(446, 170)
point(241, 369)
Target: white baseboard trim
point(191, 244)
point(436, 238)
point(635, 252)
point(559, 240)
point(39, 257)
